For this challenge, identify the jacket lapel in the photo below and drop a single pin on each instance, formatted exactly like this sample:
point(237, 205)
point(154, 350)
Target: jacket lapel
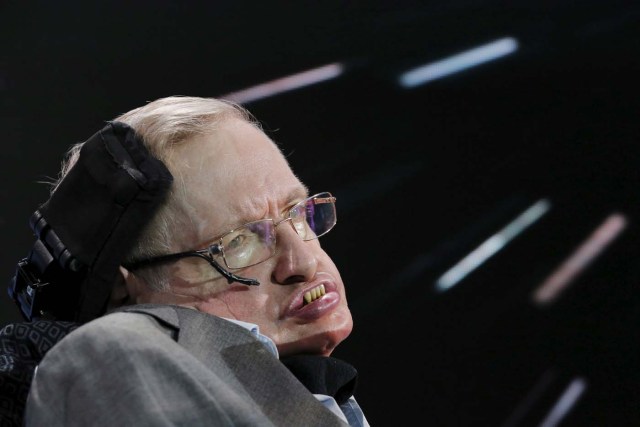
point(233, 353)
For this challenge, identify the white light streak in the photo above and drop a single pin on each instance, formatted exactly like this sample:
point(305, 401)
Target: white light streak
point(568, 399)
point(492, 245)
point(459, 62)
point(583, 256)
point(285, 84)
point(533, 397)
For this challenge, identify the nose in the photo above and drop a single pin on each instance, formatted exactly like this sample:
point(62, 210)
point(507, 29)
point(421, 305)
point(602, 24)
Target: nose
point(296, 260)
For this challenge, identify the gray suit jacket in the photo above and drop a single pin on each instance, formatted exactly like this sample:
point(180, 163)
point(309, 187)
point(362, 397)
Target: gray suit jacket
point(158, 365)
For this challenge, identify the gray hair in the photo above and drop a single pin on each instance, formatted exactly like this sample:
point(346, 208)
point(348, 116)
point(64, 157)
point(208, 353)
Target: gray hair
point(162, 125)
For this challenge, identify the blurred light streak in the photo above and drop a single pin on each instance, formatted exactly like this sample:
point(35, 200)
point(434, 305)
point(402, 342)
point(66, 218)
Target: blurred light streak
point(285, 84)
point(568, 399)
point(525, 407)
point(492, 245)
point(593, 246)
point(459, 62)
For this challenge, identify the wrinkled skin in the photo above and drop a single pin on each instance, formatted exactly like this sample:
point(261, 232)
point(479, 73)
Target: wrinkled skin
point(234, 176)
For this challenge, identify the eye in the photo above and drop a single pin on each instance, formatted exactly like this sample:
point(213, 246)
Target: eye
point(298, 210)
point(235, 242)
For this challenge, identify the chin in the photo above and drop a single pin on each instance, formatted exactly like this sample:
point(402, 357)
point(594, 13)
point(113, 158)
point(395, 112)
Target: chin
point(320, 343)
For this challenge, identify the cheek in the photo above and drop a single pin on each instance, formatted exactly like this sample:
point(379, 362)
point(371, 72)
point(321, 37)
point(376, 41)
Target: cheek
point(197, 280)
point(193, 270)
point(248, 304)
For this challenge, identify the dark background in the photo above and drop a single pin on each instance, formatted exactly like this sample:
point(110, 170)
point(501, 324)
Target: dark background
point(422, 176)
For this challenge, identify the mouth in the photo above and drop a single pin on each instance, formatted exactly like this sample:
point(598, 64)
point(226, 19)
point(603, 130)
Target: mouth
point(314, 302)
point(314, 294)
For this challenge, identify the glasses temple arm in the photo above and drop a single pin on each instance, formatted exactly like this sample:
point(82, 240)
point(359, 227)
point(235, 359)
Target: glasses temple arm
point(165, 258)
point(227, 274)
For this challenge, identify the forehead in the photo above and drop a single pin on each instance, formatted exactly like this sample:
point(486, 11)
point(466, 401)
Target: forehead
point(232, 175)
point(233, 153)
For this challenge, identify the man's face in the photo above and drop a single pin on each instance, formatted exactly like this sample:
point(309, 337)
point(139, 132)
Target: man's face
point(232, 178)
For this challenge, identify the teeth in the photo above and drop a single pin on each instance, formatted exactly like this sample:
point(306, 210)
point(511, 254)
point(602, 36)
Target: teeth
point(314, 294)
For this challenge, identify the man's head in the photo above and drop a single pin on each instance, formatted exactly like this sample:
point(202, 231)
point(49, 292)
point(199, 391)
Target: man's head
point(227, 173)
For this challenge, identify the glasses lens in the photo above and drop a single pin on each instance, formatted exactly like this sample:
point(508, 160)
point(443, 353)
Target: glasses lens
point(250, 244)
point(315, 216)
point(256, 242)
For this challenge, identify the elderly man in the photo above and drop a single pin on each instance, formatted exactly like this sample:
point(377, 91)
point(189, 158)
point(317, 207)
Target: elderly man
point(226, 309)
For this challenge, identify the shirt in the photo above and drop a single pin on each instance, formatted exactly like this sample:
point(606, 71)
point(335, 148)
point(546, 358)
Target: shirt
point(349, 412)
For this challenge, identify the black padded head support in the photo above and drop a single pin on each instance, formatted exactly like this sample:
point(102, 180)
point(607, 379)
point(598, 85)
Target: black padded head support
point(87, 226)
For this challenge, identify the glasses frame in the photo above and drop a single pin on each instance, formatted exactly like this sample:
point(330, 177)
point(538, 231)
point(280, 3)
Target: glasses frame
point(217, 248)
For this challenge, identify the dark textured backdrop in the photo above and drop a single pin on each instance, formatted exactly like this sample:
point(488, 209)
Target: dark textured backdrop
point(422, 176)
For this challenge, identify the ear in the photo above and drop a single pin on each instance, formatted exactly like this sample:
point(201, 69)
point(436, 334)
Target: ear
point(124, 289)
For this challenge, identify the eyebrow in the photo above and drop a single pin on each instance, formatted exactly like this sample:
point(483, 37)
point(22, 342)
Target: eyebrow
point(298, 193)
point(295, 196)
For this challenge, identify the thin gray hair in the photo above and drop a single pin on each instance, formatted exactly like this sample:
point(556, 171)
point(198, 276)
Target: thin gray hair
point(162, 125)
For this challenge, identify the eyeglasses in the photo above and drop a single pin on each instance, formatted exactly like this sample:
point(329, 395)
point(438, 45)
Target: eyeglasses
point(256, 242)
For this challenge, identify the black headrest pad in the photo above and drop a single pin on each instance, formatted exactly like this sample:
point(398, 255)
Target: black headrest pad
point(102, 205)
